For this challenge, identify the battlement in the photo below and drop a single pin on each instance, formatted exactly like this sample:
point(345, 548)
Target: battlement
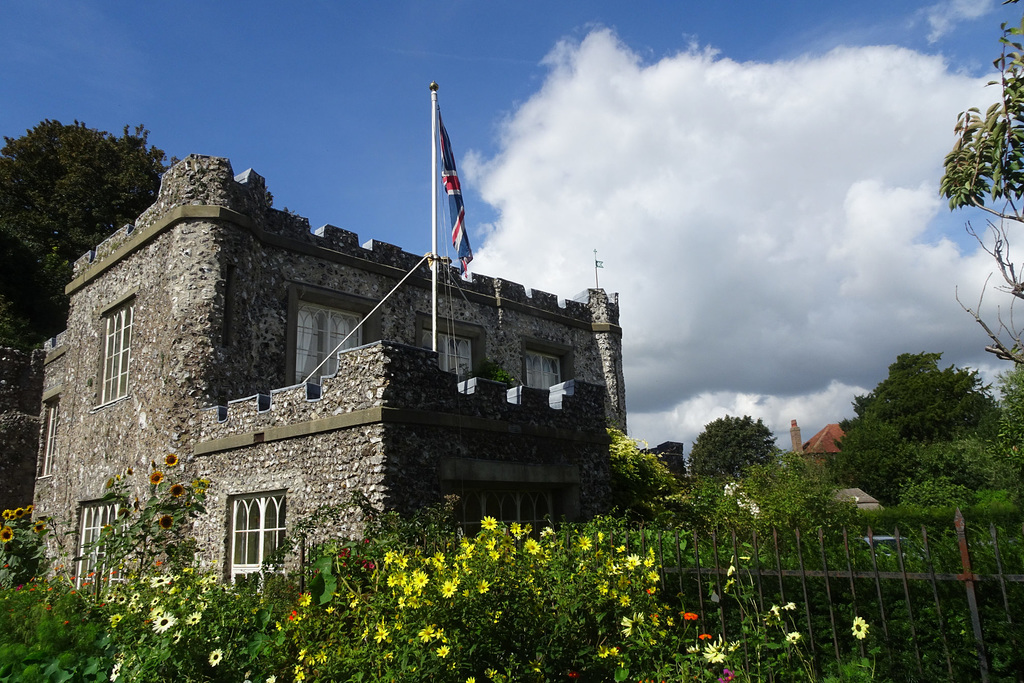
point(197, 184)
point(405, 380)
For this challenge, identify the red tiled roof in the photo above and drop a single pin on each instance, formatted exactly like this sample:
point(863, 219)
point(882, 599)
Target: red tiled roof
point(825, 440)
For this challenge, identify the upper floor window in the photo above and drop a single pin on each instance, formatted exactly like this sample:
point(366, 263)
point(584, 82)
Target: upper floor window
point(257, 530)
point(319, 330)
point(117, 352)
point(542, 370)
point(51, 418)
point(455, 354)
point(95, 517)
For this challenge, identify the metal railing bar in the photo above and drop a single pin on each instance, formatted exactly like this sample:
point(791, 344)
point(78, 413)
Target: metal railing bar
point(828, 592)
point(938, 605)
point(906, 595)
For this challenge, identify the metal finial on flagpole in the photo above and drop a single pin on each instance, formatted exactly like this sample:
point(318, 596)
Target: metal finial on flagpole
point(434, 86)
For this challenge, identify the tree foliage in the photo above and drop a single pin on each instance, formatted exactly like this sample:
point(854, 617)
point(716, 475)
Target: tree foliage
point(729, 445)
point(924, 403)
point(642, 486)
point(985, 170)
point(63, 189)
point(920, 434)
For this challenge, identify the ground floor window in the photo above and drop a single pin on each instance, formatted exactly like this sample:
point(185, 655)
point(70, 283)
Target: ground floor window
point(526, 507)
point(95, 517)
point(257, 529)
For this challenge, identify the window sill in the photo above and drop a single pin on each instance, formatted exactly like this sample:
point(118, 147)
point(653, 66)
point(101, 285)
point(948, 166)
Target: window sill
point(109, 403)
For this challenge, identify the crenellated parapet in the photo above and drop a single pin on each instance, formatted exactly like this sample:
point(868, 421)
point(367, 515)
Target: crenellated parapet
point(390, 382)
point(206, 188)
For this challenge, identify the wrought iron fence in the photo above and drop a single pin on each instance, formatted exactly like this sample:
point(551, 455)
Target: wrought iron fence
point(947, 607)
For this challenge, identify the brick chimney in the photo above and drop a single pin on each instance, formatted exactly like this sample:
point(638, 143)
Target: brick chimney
point(794, 436)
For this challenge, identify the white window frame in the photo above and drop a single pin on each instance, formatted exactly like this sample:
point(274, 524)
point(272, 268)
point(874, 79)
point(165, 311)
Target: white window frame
point(251, 544)
point(455, 354)
point(52, 420)
point(318, 330)
point(95, 516)
point(543, 370)
point(117, 351)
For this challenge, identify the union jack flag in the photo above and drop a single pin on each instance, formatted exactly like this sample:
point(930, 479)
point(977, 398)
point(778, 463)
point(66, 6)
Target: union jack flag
point(460, 240)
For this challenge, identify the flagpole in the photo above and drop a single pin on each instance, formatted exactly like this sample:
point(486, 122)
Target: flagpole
point(433, 214)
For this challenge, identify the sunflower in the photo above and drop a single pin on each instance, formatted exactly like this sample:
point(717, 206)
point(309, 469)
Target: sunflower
point(177, 490)
point(171, 460)
point(19, 513)
point(166, 522)
point(129, 471)
point(29, 509)
point(39, 527)
point(156, 478)
point(6, 534)
point(8, 514)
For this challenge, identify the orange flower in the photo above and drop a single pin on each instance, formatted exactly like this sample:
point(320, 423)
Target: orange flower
point(705, 636)
point(156, 477)
point(689, 616)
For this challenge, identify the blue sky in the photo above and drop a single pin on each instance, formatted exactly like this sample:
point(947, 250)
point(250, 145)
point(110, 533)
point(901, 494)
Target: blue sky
point(753, 286)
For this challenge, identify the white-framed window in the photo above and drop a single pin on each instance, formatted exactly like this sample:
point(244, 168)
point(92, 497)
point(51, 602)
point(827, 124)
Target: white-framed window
point(319, 330)
point(95, 516)
point(523, 506)
point(257, 529)
point(455, 354)
point(542, 370)
point(52, 418)
point(117, 352)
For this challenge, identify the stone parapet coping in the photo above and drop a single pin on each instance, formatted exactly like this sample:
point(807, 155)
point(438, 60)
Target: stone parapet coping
point(384, 415)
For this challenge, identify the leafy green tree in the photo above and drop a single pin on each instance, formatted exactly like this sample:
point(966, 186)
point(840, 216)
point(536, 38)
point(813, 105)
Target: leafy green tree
point(985, 170)
point(63, 189)
point(920, 431)
point(729, 445)
point(924, 403)
point(641, 484)
point(1009, 446)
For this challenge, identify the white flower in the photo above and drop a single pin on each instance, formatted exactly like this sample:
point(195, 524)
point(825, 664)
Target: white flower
point(193, 618)
point(216, 656)
point(163, 622)
point(789, 606)
point(860, 628)
point(793, 637)
point(715, 652)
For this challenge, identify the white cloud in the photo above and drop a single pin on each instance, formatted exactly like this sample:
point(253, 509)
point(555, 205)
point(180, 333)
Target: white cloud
point(767, 224)
point(943, 17)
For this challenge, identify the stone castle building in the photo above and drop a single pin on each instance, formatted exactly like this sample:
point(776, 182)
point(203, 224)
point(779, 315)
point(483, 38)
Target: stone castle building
point(198, 331)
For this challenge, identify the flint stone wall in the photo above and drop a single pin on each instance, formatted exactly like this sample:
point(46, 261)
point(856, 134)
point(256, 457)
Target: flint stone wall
point(21, 390)
point(406, 416)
